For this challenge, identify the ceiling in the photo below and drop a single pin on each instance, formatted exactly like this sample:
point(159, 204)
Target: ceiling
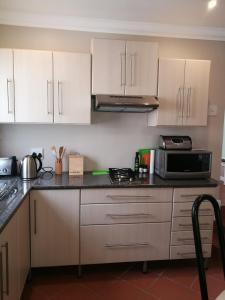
point(181, 18)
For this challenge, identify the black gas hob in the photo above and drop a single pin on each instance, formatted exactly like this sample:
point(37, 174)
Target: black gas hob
point(124, 176)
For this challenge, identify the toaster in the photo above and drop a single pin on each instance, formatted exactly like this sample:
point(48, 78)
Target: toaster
point(8, 166)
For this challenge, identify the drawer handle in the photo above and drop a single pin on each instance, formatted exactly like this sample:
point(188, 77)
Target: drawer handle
point(188, 225)
point(191, 195)
point(128, 215)
point(189, 253)
point(127, 196)
point(130, 245)
point(191, 239)
point(189, 210)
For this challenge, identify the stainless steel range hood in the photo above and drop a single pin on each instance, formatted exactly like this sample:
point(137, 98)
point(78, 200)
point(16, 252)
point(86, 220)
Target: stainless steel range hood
point(139, 104)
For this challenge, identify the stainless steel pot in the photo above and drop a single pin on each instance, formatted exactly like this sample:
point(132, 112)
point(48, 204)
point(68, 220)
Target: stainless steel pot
point(28, 166)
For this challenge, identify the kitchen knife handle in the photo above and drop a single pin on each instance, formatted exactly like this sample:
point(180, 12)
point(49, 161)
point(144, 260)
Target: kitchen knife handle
point(6, 246)
point(35, 217)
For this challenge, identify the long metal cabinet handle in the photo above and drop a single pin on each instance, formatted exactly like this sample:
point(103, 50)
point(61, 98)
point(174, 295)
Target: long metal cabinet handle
point(188, 225)
point(192, 239)
point(191, 195)
point(130, 245)
point(48, 110)
point(6, 246)
point(35, 217)
point(133, 69)
point(189, 102)
point(60, 98)
point(140, 215)
point(1, 277)
point(189, 210)
point(10, 111)
point(179, 102)
point(127, 196)
point(122, 69)
point(189, 253)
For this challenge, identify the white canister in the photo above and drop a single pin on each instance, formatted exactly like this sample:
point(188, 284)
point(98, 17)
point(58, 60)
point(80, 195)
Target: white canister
point(152, 161)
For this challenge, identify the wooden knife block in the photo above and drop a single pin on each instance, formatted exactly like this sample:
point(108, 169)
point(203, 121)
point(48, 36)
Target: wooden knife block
point(76, 165)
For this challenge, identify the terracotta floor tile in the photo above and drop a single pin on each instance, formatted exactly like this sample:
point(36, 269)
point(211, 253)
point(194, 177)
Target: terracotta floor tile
point(140, 280)
point(75, 291)
point(183, 275)
point(165, 289)
point(122, 290)
point(215, 286)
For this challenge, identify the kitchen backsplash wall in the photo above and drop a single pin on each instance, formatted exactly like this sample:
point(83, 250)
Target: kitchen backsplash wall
point(112, 139)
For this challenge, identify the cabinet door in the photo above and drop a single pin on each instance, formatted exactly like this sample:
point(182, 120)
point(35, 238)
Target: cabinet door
point(24, 243)
point(33, 86)
point(170, 92)
point(108, 67)
point(196, 91)
point(6, 86)
point(54, 228)
point(72, 95)
point(10, 268)
point(141, 68)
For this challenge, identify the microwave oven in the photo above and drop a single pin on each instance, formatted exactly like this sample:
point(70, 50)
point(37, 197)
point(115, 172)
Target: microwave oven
point(189, 164)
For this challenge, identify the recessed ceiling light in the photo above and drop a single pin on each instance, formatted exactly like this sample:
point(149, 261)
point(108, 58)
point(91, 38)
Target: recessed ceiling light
point(212, 4)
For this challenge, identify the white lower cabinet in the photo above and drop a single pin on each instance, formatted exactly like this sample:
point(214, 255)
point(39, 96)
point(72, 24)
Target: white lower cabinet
point(15, 254)
point(54, 227)
point(124, 242)
point(182, 239)
point(119, 225)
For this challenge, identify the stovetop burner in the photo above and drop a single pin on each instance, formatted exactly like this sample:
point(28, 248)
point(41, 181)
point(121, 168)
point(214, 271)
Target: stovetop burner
point(121, 175)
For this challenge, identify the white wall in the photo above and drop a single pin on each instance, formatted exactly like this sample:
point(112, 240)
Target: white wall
point(112, 139)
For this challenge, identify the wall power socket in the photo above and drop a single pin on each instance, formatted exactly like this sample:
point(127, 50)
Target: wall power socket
point(37, 151)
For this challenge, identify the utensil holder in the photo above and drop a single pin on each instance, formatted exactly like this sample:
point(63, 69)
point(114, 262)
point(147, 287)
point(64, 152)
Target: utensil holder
point(58, 167)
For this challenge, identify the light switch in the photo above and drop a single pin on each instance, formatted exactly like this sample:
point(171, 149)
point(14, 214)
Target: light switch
point(213, 109)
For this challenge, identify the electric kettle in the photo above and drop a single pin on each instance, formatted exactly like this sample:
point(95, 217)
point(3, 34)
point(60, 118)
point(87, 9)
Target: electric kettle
point(28, 166)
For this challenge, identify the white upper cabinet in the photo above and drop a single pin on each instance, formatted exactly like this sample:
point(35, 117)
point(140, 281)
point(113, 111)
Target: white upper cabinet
point(124, 67)
point(183, 93)
point(197, 85)
point(6, 86)
point(141, 68)
point(33, 86)
point(72, 100)
point(108, 67)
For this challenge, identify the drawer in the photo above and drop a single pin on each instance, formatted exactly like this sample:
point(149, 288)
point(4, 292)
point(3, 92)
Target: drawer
point(125, 213)
point(124, 195)
point(187, 237)
point(190, 194)
point(184, 209)
point(124, 242)
point(188, 251)
point(185, 223)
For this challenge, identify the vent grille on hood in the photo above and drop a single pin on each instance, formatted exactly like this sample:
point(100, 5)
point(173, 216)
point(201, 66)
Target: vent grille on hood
point(108, 103)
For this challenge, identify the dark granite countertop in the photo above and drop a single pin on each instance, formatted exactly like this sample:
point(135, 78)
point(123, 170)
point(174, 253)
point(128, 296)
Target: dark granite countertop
point(8, 207)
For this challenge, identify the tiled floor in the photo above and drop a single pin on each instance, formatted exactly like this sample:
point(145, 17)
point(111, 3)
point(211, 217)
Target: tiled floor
point(167, 280)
